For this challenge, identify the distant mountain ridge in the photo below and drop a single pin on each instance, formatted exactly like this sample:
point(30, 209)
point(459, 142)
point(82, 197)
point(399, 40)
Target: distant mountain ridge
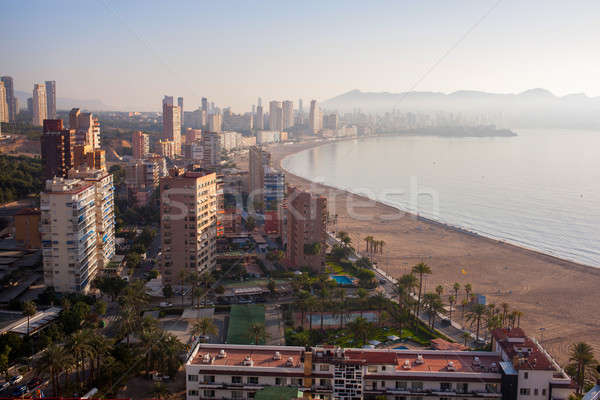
point(66, 103)
point(535, 108)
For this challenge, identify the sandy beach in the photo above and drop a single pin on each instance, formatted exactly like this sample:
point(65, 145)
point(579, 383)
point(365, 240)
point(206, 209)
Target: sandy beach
point(556, 295)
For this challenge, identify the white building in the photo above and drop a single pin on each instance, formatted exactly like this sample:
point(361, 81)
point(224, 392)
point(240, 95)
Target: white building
point(77, 227)
point(268, 137)
point(39, 104)
point(216, 371)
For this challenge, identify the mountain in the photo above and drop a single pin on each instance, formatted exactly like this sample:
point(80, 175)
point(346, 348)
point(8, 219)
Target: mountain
point(66, 103)
point(534, 108)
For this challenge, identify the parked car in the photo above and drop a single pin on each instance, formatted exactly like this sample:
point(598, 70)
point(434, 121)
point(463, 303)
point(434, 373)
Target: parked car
point(4, 386)
point(159, 378)
point(34, 382)
point(165, 304)
point(15, 379)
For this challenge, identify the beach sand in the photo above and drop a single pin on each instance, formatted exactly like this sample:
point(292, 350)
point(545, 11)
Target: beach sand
point(557, 295)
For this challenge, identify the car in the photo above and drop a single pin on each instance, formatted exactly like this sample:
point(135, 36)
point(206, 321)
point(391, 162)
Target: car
point(165, 304)
point(34, 382)
point(4, 385)
point(15, 379)
point(159, 378)
point(20, 390)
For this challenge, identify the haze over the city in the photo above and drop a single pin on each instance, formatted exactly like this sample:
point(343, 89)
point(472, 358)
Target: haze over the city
point(127, 54)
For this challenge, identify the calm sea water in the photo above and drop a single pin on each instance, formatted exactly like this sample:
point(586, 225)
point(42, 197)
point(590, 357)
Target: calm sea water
point(540, 190)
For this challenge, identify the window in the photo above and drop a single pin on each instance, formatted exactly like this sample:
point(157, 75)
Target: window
point(209, 379)
point(237, 395)
point(192, 393)
point(253, 380)
point(401, 385)
point(251, 395)
point(323, 382)
point(491, 387)
point(535, 392)
point(372, 368)
point(543, 392)
point(278, 381)
point(445, 386)
point(525, 391)
point(526, 375)
point(323, 367)
point(416, 385)
point(236, 379)
point(399, 398)
point(193, 378)
point(297, 381)
point(462, 388)
point(208, 393)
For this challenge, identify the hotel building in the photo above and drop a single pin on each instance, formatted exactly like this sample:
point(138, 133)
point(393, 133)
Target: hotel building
point(188, 215)
point(39, 104)
point(221, 371)
point(172, 124)
point(140, 143)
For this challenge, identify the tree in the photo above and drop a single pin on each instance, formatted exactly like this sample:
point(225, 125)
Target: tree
point(456, 288)
point(344, 238)
point(4, 362)
point(451, 302)
point(258, 333)
point(379, 301)
point(439, 289)
point(160, 391)
point(466, 337)
point(505, 308)
point(475, 315)
point(29, 311)
point(250, 223)
point(271, 286)
point(420, 269)
point(432, 304)
point(468, 290)
point(368, 240)
point(518, 314)
point(128, 323)
point(361, 329)
point(55, 360)
point(583, 364)
point(204, 327)
point(183, 276)
point(168, 291)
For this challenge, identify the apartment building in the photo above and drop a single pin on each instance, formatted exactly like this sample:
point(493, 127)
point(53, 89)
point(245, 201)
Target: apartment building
point(142, 179)
point(188, 223)
point(304, 229)
point(57, 149)
point(140, 143)
point(222, 371)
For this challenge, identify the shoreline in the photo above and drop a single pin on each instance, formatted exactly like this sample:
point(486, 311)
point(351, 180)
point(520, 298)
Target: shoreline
point(553, 293)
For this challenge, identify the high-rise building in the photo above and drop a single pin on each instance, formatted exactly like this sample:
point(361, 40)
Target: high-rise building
point(87, 128)
point(331, 121)
point(274, 188)
point(205, 105)
point(300, 110)
point(287, 114)
point(259, 122)
point(27, 228)
point(142, 179)
point(30, 105)
point(188, 215)
point(77, 227)
point(140, 143)
point(11, 100)
point(211, 149)
point(51, 99)
point(180, 105)
point(39, 104)
point(57, 149)
point(166, 148)
point(304, 229)
point(314, 117)
point(172, 123)
point(259, 102)
point(275, 116)
point(4, 116)
point(258, 161)
point(215, 122)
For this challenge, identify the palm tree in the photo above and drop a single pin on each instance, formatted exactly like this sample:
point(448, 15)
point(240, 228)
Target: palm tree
point(368, 240)
point(475, 316)
point(29, 310)
point(379, 301)
point(463, 304)
point(432, 304)
point(203, 327)
point(583, 363)
point(466, 337)
point(492, 322)
point(258, 332)
point(381, 244)
point(439, 289)
point(207, 280)
point(451, 302)
point(456, 288)
point(344, 238)
point(361, 329)
point(505, 308)
point(323, 300)
point(129, 321)
point(55, 360)
point(420, 269)
point(518, 314)
point(160, 391)
point(468, 290)
point(183, 277)
point(341, 295)
point(79, 346)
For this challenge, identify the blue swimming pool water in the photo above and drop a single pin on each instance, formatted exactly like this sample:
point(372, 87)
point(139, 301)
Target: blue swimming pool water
point(401, 348)
point(342, 280)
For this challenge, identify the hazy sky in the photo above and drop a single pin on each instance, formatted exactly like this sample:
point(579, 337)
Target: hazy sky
point(130, 53)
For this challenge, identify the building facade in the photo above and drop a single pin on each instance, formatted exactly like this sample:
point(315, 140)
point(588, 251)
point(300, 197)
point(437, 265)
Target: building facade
point(51, 99)
point(11, 100)
point(4, 115)
point(188, 224)
point(314, 117)
point(258, 161)
point(57, 149)
point(211, 148)
point(304, 230)
point(275, 116)
point(172, 123)
point(140, 143)
point(27, 228)
point(287, 110)
point(39, 104)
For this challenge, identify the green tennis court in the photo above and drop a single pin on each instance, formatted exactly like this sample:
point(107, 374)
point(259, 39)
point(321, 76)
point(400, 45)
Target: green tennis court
point(241, 317)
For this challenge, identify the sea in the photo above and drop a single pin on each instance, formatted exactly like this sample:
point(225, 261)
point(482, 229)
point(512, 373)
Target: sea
point(539, 189)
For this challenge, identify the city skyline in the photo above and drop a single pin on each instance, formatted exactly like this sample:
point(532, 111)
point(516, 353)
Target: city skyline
point(490, 46)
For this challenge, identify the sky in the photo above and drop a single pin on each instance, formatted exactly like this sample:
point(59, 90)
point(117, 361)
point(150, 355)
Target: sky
point(130, 53)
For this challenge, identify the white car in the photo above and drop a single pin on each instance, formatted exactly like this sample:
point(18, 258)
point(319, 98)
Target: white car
point(165, 304)
point(4, 385)
point(16, 379)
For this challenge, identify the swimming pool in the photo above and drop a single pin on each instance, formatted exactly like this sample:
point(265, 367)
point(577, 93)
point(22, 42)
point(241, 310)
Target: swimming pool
point(400, 348)
point(342, 279)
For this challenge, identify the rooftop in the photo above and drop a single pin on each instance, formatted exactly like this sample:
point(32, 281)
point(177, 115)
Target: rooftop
point(522, 350)
point(255, 356)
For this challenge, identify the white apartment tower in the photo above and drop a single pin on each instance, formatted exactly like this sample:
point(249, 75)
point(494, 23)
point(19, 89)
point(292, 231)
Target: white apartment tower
point(77, 227)
point(275, 116)
point(39, 104)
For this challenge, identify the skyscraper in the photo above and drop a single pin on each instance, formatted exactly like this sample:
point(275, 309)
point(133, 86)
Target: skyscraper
point(140, 143)
point(39, 104)
point(4, 116)
point(57, 148)
point(258, 161)
point(51, 99)
point(11, 100)
point(87, 128)
point(188, 218)
point(259, 123)
point(275, 116)
point(300, 110)
point(205, 104)
point(287, 114)
point(259, 103)
point(314, 117)
point(211, 149)
point(172, 123)
point(180, 105)
point(215, 122)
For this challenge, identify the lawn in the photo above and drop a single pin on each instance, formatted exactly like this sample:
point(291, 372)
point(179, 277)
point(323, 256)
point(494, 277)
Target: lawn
point(241, 318)
point(334, 268)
